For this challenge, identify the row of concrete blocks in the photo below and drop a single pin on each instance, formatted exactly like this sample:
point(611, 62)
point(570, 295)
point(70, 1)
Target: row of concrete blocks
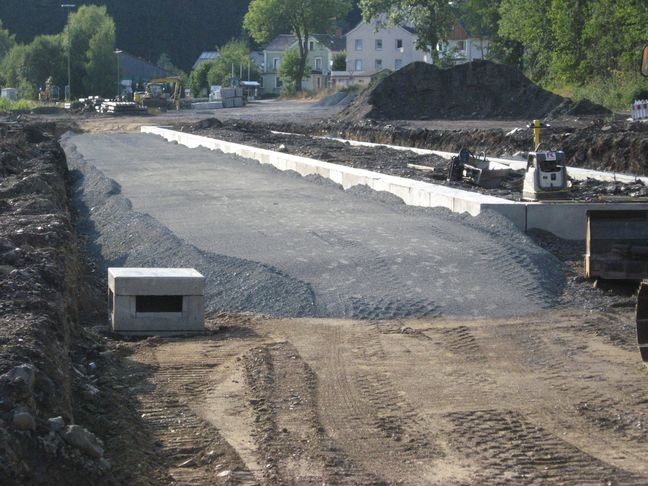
point(565, 219)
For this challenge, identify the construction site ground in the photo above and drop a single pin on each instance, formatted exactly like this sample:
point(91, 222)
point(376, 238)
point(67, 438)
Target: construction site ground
point(551, 392)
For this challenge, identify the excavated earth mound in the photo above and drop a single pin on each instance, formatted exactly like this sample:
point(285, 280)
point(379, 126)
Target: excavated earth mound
point(41, 439)
point(479, 89)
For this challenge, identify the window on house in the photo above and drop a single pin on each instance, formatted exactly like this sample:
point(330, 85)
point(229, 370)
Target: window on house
point(399, 43)
point(378, 64)
point(318, 63)
point(275, 63)
point(398, 63)
point(278, 82)
point(358, 44)
point(358, 65)
point(461, 45)
point(379, 44)
point(311, 45)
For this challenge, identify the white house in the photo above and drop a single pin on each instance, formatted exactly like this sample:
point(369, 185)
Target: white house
point(321, 49)
point(462, 47)
point(374, 46)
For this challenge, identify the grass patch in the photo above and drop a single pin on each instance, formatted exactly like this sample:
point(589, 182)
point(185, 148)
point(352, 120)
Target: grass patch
point(616, 92)
point(20, 105)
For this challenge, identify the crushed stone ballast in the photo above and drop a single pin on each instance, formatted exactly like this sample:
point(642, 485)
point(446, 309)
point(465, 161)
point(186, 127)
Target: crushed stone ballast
point(564, 219)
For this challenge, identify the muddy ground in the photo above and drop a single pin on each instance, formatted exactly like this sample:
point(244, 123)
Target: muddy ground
point(389, 161)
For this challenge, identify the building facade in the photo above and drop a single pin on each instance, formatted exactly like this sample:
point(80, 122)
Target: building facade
point(321, 49)
point(462, 47)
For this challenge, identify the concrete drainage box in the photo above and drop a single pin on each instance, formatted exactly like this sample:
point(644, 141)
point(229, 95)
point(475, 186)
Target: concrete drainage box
point(148, 301)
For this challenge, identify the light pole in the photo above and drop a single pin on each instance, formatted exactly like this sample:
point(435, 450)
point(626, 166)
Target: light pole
point(68, 91)
point(117, 53)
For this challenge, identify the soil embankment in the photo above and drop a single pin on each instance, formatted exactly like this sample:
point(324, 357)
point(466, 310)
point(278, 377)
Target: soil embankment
point(40, 442)
point(478, 89)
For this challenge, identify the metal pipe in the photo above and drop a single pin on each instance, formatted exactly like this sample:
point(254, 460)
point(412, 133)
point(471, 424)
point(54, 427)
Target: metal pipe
point(68, 91)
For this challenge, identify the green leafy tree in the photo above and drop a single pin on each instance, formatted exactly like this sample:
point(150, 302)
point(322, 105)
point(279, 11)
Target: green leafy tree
point(7, 41)
point(302, 18)
point(237, 54)
point(432, 19)
point(339, 61)
point(528, 24)
point(91, 59)
point(27, 67)
point(198, 78)
point(101, 64)
point(290, 69)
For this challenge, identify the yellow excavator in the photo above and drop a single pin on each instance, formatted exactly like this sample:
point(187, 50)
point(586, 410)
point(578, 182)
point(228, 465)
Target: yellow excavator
point(162, 93)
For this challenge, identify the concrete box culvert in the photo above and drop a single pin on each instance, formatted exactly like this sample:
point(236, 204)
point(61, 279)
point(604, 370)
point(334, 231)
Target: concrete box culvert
point(152, 301)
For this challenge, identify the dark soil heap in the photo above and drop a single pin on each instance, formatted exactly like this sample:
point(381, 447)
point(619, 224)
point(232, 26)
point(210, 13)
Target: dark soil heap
point(39, 270)
point(479, 89)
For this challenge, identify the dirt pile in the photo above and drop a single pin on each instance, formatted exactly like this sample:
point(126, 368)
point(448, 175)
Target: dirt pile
point(39, 269)
point(479, 89)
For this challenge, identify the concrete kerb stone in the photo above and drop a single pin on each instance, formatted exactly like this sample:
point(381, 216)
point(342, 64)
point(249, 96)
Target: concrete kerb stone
point(414, 193)
point(564, 219)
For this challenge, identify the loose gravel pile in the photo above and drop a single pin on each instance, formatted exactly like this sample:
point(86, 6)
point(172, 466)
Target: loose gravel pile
point(119, 236)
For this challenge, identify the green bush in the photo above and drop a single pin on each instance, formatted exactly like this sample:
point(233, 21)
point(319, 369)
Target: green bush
point(20, 105)
point(617, 92)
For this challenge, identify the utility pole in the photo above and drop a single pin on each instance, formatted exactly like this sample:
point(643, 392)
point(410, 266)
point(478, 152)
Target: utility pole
point(117, 53)
point(68, 91)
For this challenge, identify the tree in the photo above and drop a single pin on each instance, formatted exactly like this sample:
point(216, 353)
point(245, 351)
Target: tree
point(302, 18)
point(27, 67)
point(481, 18)
point(198, 78)
point(7, 41)
point(92, 32)
point(101, 64)
point(339, 61)
point(432, 19)
point(237, 54)
point(290, 69)
point(527, 23)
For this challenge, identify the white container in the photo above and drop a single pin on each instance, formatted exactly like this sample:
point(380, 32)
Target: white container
point(10, 94)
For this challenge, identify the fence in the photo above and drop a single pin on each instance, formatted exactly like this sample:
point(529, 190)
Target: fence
point(640, 110)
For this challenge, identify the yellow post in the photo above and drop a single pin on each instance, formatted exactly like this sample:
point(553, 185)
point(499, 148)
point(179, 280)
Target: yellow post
point(537, 127)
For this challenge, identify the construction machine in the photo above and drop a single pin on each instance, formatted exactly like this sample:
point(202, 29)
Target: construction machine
point(162, 93)
point(546, 172)
point(477, 170)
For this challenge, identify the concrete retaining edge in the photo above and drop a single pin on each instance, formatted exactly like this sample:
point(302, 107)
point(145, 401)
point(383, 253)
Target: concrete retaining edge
point(565, 219)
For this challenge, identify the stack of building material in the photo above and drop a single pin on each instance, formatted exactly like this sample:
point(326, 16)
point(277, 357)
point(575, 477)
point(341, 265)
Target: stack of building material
point(120, 107)
point(232, 97)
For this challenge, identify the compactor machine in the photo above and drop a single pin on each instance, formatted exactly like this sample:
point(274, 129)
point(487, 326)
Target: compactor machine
point(546, 172)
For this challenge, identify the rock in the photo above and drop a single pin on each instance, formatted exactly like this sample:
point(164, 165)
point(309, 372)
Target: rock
point(222, 474)
point(83, 439)
point(23, 374)
point(56, 424)
point(24, 421)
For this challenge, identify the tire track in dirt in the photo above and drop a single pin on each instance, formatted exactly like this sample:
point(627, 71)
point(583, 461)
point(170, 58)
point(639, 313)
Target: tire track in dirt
point(295, 446)
point(366, 417)
point(173, 376)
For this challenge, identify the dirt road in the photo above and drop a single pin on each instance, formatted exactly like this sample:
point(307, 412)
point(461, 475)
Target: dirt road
point(307, 401)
